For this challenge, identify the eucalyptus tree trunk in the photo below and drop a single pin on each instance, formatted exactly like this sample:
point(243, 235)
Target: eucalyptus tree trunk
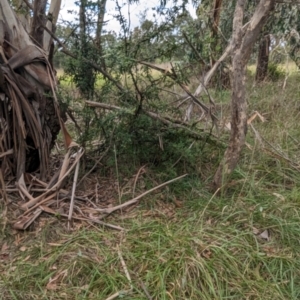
point(263, 58)
point(29, 118)
point(100, 23)
point(216, 12)
point(243, 39)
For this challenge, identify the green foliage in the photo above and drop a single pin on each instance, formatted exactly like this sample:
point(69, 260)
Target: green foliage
point(275, 72)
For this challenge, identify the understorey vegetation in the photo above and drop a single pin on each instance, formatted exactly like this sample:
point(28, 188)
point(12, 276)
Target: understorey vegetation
point(159, 160)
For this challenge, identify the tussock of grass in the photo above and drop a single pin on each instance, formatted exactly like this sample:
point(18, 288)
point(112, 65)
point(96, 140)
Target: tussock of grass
point(206, 248)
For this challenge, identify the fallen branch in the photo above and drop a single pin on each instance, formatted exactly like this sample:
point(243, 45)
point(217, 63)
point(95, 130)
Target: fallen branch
point(56, 186)
point(89, 220)
point(165, 120)
point(8, 152)
point(136, 199)
point(145, 290)
point(74, 188)
point(172, 74)
point(125, 268)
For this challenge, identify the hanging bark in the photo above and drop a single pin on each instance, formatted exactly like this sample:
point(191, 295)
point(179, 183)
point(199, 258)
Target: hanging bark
point(29, 121)
point(263, 59)
point(242, 47)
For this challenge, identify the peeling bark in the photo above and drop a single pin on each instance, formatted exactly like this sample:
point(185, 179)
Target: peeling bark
point(29, 120)
point(38, 22)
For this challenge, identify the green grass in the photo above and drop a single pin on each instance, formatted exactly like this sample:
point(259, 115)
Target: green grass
point(206, 248)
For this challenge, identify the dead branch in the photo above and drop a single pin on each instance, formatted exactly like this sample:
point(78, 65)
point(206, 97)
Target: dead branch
point(35, 202)
point(74, 188)
point(165, 120)
point(136, 199)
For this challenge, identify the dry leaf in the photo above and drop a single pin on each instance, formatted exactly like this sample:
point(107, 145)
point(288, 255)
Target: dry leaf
point(51, 286)
point(206, 253)
point(279, 196)
point(209, 221)
point(55, 244)
point(265, 235)
point(253, 117)
point(26, 258)
point(178, 203)
point(4, 248)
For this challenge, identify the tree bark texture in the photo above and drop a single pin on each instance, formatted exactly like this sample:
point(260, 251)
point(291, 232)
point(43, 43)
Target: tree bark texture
point(38, 21)
point(263, 59)
point(216, 18)
point(100, 23)
point(242, 44)
point(29, 120)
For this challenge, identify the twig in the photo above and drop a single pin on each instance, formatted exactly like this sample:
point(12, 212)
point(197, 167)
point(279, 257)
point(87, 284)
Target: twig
point(178, 160)
point(28, 4)
point(38, 204)
point(89, 220)
point(3, 191)
point(125, 268)
point(135, 200)
point(123, 292)
point(165, 120)
point(53, 188)
point(120, 293)
point(100, 223)
point(73, 189)
point(93, 168)
point(96, 193)
point(66, 51)
point(145, 290)
point(8, 152)
point(136, 179)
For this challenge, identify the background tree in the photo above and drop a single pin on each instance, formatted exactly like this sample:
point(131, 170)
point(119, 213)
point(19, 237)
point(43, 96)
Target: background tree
point(282, 27)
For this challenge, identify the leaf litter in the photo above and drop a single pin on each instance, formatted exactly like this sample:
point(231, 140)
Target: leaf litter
point(65, 200)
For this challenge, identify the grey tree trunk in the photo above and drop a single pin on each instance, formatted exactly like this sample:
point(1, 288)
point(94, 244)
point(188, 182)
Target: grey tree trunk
point(242, 43)
point(100, 23)
point(263, 59)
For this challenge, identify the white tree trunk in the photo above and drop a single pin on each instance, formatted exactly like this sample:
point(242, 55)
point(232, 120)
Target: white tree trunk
point(51, 23)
